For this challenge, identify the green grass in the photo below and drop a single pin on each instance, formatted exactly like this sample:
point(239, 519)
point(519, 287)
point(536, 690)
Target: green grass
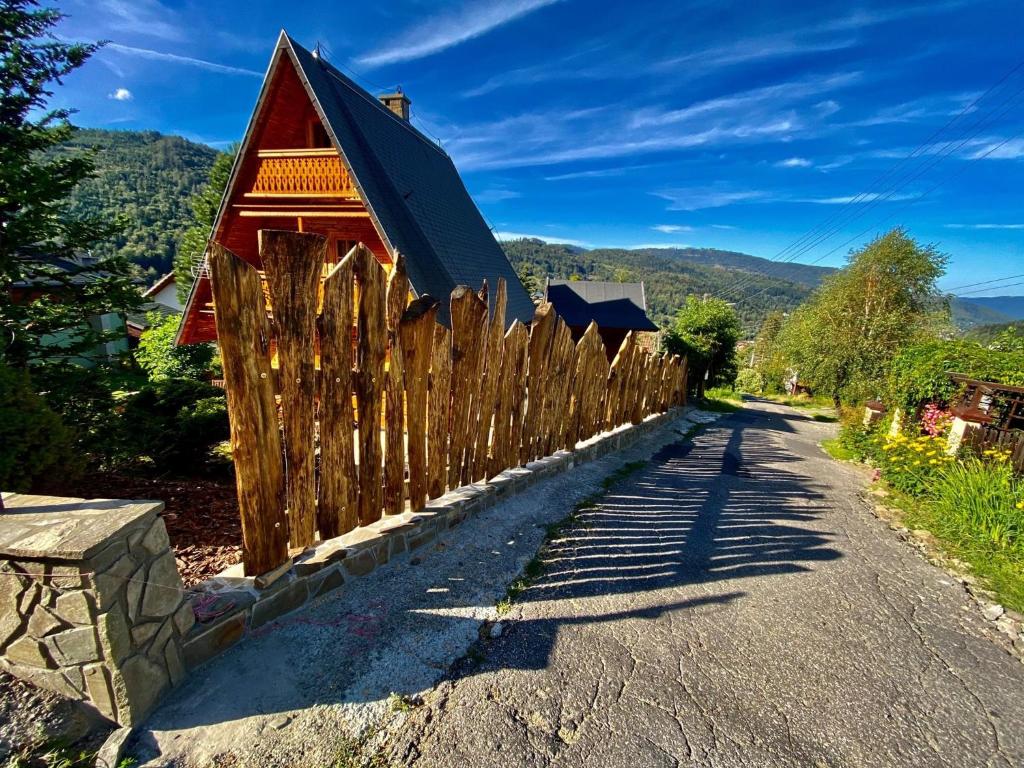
point(800, 401)
point(971, 512)
point(721, 400)
point(837, 450)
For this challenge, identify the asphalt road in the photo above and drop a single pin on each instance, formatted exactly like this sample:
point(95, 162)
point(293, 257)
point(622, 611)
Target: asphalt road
point(733, 604)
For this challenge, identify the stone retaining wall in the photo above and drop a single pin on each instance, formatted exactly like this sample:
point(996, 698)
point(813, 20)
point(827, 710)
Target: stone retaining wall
point(92, 606)
point(91, 603)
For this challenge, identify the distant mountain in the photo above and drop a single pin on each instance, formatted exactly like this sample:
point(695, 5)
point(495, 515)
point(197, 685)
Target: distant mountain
point(969, 314)
point(986, 334)
point(1012, 307)
point(147, 177)
point(671, 274)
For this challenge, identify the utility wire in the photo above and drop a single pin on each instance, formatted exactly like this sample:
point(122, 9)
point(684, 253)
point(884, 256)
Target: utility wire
point(867, 196)
point(982, 290)
point(983, 282)
point(920, 197)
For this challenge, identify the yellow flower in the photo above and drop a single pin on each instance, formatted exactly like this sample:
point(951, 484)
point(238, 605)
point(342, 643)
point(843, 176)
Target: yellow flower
point(933, 461)
point(1020, 505)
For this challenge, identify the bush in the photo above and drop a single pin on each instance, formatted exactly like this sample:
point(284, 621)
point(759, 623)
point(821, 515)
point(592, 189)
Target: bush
point(160, 359)
point(749, 380)
point(84, 398)
point(173, 425)
point(919, 372)
point(912, 464)
point(34, 443)
point(860, 442)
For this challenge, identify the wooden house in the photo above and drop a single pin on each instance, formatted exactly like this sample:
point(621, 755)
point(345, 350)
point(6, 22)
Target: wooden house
point(617, 308)
point(323, 155)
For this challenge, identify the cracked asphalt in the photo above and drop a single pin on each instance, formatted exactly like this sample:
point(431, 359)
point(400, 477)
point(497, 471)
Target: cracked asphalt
point(735, 603)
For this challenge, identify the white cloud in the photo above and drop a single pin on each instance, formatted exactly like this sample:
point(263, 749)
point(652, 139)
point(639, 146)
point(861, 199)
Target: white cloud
point(862, 198)
point(794, 162)
point(999, 150)
point(699, 198)
point(500, 235)
point(723, 226)
point(442, 32)
point(141, 17)
point(146, 53)
point(985, 226)
point(120, 94)
point(670, 229)
point(496, 195)
point(597, 173)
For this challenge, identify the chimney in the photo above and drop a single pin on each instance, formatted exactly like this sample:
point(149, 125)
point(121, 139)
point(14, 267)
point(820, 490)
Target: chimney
point(397, 102)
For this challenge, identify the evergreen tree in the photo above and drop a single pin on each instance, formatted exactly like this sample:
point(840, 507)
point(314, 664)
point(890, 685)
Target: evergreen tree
point(48, 291)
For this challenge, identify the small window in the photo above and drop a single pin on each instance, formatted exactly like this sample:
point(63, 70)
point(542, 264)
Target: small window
point(342, 247)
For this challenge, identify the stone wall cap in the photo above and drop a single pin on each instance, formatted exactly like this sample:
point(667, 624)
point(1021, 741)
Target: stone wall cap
point(66, 529)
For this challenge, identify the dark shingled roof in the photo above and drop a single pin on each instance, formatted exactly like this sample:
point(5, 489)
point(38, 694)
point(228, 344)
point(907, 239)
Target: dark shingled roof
point(610, 305)
point(413, 189)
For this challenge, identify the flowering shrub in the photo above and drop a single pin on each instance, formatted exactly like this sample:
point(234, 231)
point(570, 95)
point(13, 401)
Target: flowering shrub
point(934, 420)
point(912, 463)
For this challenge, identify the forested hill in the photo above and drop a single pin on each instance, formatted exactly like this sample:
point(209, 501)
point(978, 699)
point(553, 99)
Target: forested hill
point(671, 274)
point(148, 178)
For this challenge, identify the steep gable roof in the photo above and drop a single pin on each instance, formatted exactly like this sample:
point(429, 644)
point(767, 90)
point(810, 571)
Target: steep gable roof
point(610, 305)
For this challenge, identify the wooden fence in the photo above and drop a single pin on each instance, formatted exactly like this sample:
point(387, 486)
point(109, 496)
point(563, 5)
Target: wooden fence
point(1012, 440)
point(347, 402)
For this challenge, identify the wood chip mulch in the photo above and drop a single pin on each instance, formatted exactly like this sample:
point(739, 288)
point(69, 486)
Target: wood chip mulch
point(201, 517)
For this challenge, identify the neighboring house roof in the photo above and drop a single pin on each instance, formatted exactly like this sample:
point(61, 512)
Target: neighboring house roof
point(77, 270)
point(159, 285)
point(610, 305)
point(409, 184)
point(139, 320)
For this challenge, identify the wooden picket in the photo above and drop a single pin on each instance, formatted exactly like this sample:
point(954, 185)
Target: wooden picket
point(403, 409)
point(244, 334)
point(416, 330)
point(394, 393)
point(293, 263)
point(439, 412)
point(369, 380)
point(339, 490)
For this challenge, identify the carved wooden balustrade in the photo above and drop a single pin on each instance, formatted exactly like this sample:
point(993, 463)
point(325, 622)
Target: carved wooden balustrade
point(301, 173)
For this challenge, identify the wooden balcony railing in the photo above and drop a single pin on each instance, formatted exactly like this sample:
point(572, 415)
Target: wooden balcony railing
point(301, 173)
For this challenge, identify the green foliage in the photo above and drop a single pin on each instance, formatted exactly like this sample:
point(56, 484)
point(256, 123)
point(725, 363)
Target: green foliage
point(706, 331)
point(145, 179)
point(85, 399)
point(919, 372)
point(769, 358)
point(39, 300)
point(857, 441)
point(749, 380)
point(671, 274)
point(34, 443)
point(173, 425)
point(843, 339)
point(160, 359)
point(205, 204)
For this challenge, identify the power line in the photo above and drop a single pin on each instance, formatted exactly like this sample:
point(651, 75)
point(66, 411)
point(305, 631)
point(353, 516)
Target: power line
point(983, 282)
point(920, 197)
point(826, 229)
point(982, 290)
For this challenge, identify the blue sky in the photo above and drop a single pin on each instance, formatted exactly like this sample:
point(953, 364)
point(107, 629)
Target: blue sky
point(738, 126)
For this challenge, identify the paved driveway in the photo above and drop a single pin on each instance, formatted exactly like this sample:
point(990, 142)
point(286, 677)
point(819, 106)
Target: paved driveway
point(733, 604)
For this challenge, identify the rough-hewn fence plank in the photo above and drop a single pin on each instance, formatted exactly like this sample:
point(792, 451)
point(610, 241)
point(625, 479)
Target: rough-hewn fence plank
point(457, 406)
point(339, 489)
point(293, 264)
point(244, 335)
point(369, 380)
